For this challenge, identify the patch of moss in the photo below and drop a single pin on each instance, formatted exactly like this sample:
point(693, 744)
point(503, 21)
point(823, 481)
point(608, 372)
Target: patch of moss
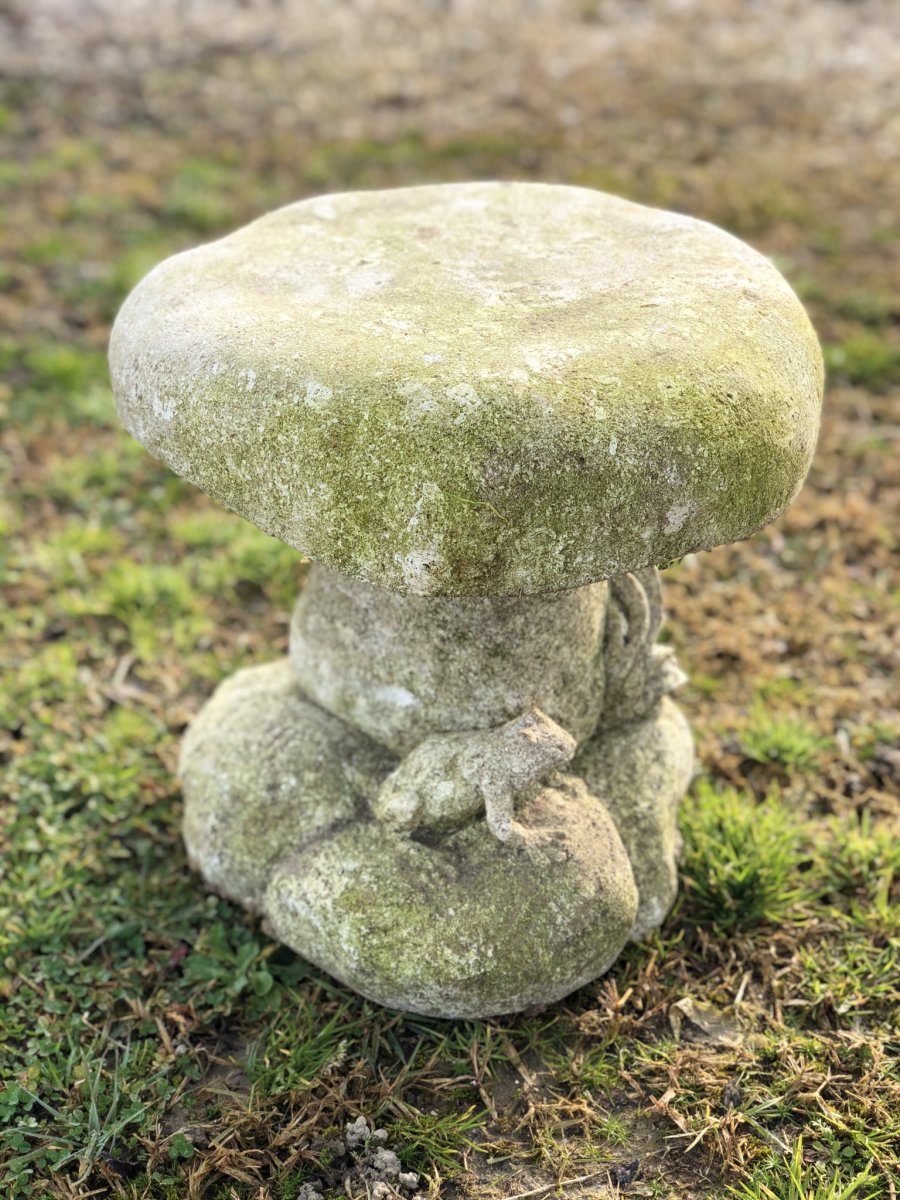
point(416, 451)
point(866, 359)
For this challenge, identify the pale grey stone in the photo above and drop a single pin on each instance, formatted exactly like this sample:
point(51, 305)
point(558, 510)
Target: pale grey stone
point(357, 1133)
point(462, 925)
point(473, 405)
point(386, 1163)
point(478, 388)
point(641, 771)
point(403, 667)
point(263, 771)
point(449, 779)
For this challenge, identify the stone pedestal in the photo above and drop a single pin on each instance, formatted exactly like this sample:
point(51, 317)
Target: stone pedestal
point(458, 807)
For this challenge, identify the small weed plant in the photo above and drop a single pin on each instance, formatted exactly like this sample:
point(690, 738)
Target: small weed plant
point(740, 858)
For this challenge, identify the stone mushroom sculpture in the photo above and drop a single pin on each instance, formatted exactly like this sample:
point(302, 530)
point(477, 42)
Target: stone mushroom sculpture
point(486, 412)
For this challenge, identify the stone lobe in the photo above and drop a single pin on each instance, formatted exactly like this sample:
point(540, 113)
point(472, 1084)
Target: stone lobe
point(642, 771)
point(464, 927)
point(266, 770)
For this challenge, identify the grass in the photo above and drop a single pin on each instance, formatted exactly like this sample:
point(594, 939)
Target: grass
point(742, 859)
point(430, 1140)
point(781, 739)
point(154, 1042)
point(866, 358)
point(794, 1181)
point(84, 1134)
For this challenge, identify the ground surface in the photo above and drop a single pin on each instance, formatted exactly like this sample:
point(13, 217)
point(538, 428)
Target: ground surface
point(153, 1042)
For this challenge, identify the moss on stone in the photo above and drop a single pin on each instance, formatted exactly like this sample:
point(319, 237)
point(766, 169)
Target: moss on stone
point(402, 667)
point(477, 389)
point(277, 817)
point(462, 925)
point(264, 772)
point(640, 772)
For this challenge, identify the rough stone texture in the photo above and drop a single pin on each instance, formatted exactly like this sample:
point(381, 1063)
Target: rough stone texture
point(638, 671)
point(468, 877)
point(264, 771)
point(472, 389)
point(463, 925)
point(452, 778)
point(512, 880)
point(403, 667)
point(641, 771)
point(465, 400)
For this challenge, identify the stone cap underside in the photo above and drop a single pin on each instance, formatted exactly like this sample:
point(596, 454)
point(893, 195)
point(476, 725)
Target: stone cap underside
point(476, 389)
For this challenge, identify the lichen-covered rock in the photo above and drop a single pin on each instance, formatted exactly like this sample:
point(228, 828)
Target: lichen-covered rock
point(263, 771)
point(283, 813)
point(404, 667)
point(473, 405)
point(462, 925)
point(468, 877)
point(477, 389)
point(641, 771)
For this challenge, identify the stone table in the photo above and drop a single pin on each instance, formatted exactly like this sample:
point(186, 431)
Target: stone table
point(487, 412)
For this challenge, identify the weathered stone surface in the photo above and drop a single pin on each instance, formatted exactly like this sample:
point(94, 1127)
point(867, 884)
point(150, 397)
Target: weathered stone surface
point(468, 877)
point(486, 410)
point(404, 667)
point(638, 671)
point(463, 925)
point(474, 389)
point(264, 771)
point(512, 880)
point(641, 771)
point(452, 778)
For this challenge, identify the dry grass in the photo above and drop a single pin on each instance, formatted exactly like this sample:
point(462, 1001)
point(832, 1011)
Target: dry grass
point(153, 1042)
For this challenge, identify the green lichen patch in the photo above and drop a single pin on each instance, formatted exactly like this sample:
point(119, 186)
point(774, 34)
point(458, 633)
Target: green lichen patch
point(265, 771)
point(437, 391)
point(461, 925)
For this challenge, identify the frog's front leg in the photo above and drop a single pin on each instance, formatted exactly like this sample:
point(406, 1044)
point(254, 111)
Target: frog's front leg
point(527, 749)
point(499, 812)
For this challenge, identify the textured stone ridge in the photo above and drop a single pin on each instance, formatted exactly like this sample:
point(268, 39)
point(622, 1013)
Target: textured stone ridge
point(475, 389)
point(642, 770)
point(264, 771)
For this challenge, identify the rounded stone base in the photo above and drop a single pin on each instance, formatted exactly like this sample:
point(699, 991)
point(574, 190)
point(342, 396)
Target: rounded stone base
point(279, 798)
point(463, 926)
point(642, 770)
point(264, 771)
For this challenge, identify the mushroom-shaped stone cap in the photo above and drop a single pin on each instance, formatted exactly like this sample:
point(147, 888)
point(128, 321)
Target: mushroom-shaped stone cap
point(477, 389)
